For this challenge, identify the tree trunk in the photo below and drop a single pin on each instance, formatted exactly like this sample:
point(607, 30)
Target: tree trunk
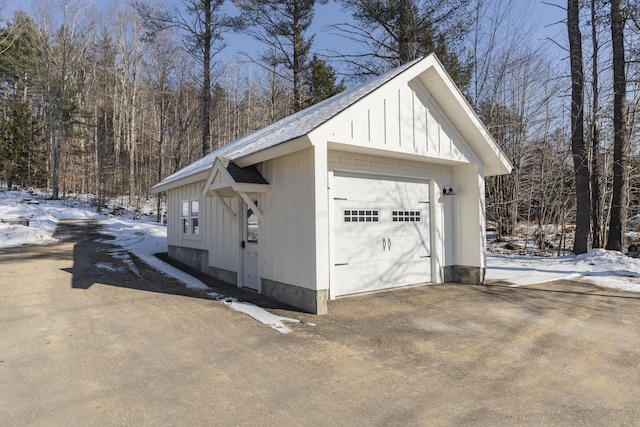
point(58, 139)
point(298, 61)
point(618, 218)
point(578, 146)
point(160, 146)
point(406, 31)
point(206, 81)
point(596, 238)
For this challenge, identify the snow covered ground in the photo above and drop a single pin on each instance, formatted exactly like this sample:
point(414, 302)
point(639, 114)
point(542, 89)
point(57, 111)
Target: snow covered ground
point(603, 268)
point(144, 238)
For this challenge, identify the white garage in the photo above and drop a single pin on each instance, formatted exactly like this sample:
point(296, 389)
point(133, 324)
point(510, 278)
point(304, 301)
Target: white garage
point(379, 187)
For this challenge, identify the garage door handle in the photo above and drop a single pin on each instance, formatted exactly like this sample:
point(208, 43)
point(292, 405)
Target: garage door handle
point(384, 244)
point(389, 243)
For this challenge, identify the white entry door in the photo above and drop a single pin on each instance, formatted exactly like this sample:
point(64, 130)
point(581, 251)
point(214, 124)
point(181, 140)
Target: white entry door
point(380, 236)
point(250, 252)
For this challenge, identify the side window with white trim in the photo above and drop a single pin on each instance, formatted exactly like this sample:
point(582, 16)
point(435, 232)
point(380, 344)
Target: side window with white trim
point(185, 217)
point(190, 217)
point(195, 210)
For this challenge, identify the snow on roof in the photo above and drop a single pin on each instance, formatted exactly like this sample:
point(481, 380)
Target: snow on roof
point(287, 129)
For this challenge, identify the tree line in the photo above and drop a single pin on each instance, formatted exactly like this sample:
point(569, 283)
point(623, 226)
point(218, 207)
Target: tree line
point(109, 100)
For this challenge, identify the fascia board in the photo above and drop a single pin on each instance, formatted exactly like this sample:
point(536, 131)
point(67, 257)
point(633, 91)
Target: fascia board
point(277, 151)
point(455, 105)
point(201, 176)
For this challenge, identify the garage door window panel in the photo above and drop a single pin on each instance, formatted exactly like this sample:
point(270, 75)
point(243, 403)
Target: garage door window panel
point(361, 215)
point(405, 216)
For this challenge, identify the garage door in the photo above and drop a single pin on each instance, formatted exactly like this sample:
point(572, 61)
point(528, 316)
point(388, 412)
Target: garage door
point(380, 236)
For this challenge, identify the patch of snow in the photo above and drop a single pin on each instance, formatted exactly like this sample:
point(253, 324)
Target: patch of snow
point(18, 235)
point(124, 256)
point(263, 316)
point(186, 279)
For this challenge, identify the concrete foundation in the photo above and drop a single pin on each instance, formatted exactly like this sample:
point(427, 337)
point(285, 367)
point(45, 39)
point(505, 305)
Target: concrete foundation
point(199, 259)
point(306, 299)
point(464, 274)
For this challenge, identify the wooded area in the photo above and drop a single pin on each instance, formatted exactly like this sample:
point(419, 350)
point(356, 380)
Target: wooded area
point(108, 100)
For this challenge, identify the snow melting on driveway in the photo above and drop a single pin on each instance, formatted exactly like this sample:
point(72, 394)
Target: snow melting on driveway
point(144, 239)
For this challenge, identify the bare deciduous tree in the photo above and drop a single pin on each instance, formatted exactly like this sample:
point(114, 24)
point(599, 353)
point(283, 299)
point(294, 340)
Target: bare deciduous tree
point(204, 27)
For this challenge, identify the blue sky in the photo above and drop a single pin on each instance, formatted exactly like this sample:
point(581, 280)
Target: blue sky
point(542, 15)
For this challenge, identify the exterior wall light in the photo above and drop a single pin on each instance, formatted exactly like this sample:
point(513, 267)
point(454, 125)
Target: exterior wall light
point(448, 191)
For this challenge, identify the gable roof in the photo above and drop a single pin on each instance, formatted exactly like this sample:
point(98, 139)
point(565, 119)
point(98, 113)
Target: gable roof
point(287, 129)
point(305, 121)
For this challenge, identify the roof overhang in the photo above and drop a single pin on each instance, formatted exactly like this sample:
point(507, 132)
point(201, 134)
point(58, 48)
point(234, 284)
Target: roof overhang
point(391, 154)
point(226, 179)
point(279, 150)
point(440, 85)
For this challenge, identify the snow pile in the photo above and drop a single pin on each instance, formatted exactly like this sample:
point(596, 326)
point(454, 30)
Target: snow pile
point(139, 237)
point(598, 266)
point(16, 235)
point(42, 214)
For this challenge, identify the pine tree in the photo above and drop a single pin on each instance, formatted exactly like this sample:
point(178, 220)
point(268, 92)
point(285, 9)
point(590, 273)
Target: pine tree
point(321, 83)
point(394, 32)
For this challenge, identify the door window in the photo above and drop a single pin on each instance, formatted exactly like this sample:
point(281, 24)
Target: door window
point(252, 226)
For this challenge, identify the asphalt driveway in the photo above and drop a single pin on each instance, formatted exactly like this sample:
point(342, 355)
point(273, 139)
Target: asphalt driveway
point(90, 336)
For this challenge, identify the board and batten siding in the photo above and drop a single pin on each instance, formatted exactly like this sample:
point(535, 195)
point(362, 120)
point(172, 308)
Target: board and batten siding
point(218, 230)
point(175, 197)
point(406, 120)
point(287, 245)
point(223, 234)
